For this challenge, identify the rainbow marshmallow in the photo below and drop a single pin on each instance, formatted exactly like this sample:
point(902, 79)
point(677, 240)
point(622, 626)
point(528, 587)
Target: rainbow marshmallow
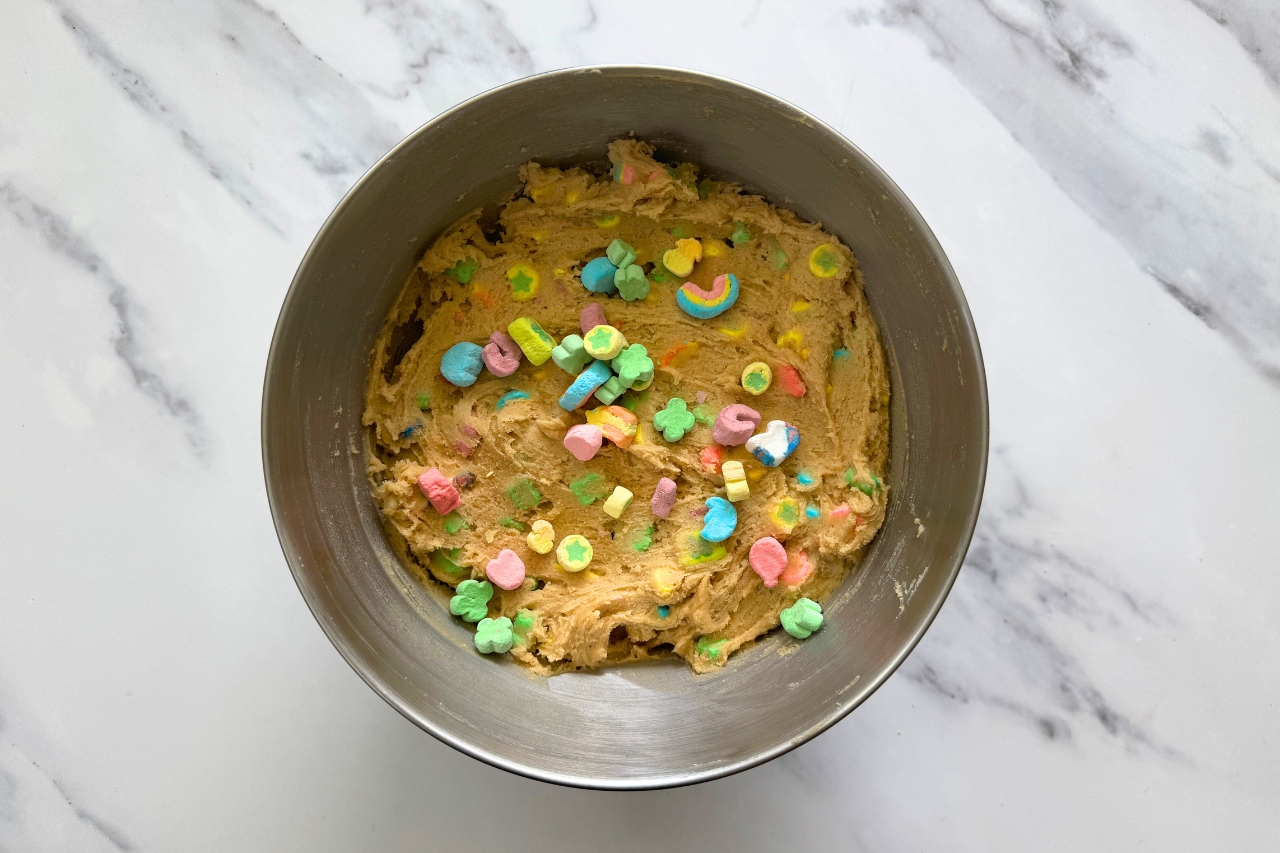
point(703, 304)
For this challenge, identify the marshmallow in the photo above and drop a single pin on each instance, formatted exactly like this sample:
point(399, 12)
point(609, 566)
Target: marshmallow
point(570, 355)
point(616, 423)
point(542, 537)
point(769, 559)
point(583, 441)
point(585, 385)
point(494, 636)
point(534, 342)
point(501, 355)
point(597, 276)
point(664, 497)
point(756, 377)
point(801, 619)
point(604, 342)
point(440, 490)
point(505, 570)
point(611, 390)
point(789, 379)
point(524, 282)
point(574, 553)
point(779, 440)
point(720, 520)
point(734, 425)
point(592, 315)
point(617, 503)
point(705, 304)
point(462, 363)
point(471, 600)
point(735, 481)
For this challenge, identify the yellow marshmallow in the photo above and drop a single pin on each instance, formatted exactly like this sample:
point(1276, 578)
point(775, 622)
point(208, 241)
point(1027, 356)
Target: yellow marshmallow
point(574, 553)
point(735, 481)
point(681, 259)
point(792, 338)
point(602, 342)
point(666, 581)
point(617, 502)
point(542, 537)
point(532, 340)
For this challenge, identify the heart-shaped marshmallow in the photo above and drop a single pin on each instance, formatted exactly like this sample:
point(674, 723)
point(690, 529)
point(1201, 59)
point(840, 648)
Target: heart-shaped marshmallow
point(505, 570)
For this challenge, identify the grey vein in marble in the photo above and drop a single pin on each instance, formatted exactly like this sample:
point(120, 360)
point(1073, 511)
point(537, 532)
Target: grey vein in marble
point(346, 136)
point(1200, 218)
point(467, 45)
point(140, 91)
point(19, 773)
point(1011, 606)
point(309, 113)
point(64, 242)
point(1253, 23)
point(111, 833)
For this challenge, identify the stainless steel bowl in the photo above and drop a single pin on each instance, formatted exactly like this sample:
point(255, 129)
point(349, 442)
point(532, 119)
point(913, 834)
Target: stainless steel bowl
point(643, 726)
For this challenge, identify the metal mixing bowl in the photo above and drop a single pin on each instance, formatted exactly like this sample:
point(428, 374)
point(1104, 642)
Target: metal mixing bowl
point(641, 726)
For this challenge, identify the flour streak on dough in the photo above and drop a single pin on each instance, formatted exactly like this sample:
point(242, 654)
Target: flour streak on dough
point(609, 613)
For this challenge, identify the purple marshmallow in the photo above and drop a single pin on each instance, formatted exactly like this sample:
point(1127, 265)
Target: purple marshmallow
point(592, 315)
point(664, 497)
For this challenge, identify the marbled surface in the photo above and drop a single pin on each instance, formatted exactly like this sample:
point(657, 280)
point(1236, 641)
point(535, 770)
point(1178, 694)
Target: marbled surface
point(1106, 180)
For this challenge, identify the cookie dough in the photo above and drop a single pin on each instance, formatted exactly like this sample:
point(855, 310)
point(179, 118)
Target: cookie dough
point(653, 587)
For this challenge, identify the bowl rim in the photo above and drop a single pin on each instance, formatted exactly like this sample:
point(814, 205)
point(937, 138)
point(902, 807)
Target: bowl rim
point(275, 358)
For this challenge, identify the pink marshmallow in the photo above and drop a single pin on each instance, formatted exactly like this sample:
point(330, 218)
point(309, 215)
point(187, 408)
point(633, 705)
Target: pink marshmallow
point(506, 570)
point(440, 490)
point(789, 378)
point(799, 567)
point(664, 497)
point(735, 424)
point(466, 446)
point(592, 315)
point(769, 559)
point(501, 355)
point(583, 441)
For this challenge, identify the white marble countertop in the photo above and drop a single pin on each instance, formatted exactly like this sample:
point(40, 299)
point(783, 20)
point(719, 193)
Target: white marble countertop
point(1106, 180)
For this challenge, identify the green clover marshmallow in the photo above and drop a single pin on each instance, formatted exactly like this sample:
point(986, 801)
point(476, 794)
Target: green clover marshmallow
point(631, 283)
point(802, 618)
point(472, 600)
point(675, 420)
point(620, 254)
point(494, 636)
point(633, 365)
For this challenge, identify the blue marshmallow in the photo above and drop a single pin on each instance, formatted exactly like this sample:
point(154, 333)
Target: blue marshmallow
point(509, 397)
point(720, 520)
point(597, 276)
point(587, 383)
point(462, 363)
